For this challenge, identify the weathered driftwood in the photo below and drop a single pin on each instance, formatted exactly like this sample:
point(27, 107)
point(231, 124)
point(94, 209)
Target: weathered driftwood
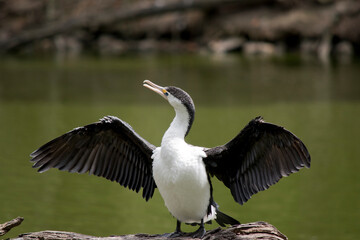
point(256, 230)
point(6, 227)
point(106, 18)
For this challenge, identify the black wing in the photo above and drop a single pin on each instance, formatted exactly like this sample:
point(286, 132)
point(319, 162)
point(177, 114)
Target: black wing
point(256, 158)
point(109, 148)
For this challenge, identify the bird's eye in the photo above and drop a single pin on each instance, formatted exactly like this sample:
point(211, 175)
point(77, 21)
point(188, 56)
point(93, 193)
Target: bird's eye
point(166, 93)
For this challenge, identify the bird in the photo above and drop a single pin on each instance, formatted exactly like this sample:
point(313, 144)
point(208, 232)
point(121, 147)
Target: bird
point(256, 158)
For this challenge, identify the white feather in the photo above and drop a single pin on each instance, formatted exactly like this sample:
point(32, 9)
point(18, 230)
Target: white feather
point(180, 174)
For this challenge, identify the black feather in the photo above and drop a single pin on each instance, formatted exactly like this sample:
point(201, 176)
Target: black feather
point(258, 157)
point(109, 148)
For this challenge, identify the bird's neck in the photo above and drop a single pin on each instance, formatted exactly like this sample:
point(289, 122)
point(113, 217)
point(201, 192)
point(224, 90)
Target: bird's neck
point(179, 127)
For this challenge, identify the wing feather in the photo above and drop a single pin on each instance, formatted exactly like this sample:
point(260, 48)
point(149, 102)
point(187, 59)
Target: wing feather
point(258, 157)
point(109, 148)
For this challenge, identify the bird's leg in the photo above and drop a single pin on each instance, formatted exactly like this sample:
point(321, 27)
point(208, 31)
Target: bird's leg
point(200, 232)
point(178, 227)
point(177, 232)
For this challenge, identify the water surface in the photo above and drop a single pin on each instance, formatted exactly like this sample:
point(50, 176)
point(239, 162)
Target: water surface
point(43, 98)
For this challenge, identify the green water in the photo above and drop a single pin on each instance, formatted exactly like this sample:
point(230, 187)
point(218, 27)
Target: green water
point(43, 98)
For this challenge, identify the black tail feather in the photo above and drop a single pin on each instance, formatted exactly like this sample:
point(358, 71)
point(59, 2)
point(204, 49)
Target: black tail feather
point(222, 219)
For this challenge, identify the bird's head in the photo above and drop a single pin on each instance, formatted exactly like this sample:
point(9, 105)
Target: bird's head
point(178, 98)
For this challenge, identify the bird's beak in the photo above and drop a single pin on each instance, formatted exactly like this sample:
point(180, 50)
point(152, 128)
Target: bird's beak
point(156, 88)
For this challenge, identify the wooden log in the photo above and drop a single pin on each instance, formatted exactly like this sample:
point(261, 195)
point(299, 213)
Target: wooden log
point(6, 227)
point(253, 231)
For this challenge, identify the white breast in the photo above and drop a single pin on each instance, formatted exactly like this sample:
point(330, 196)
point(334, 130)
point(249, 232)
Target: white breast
point(181, 178)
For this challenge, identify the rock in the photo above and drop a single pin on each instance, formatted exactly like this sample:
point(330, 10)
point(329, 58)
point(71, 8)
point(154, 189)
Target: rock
point(262, 48)
point(344, 48)
point(226, 45)
point(109, 45)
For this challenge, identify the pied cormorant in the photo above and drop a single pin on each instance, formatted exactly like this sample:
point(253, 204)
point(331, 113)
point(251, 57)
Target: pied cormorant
point(255, 159)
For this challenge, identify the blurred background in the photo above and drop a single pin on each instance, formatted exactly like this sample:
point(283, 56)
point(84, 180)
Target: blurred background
point(64, 64)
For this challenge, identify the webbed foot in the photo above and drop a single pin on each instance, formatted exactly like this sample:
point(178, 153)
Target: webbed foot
point(200, 232)
point(177, 233)
point(172, 235)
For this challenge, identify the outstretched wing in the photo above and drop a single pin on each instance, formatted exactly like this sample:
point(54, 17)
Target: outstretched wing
point(109, 148)
point(256, 158)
